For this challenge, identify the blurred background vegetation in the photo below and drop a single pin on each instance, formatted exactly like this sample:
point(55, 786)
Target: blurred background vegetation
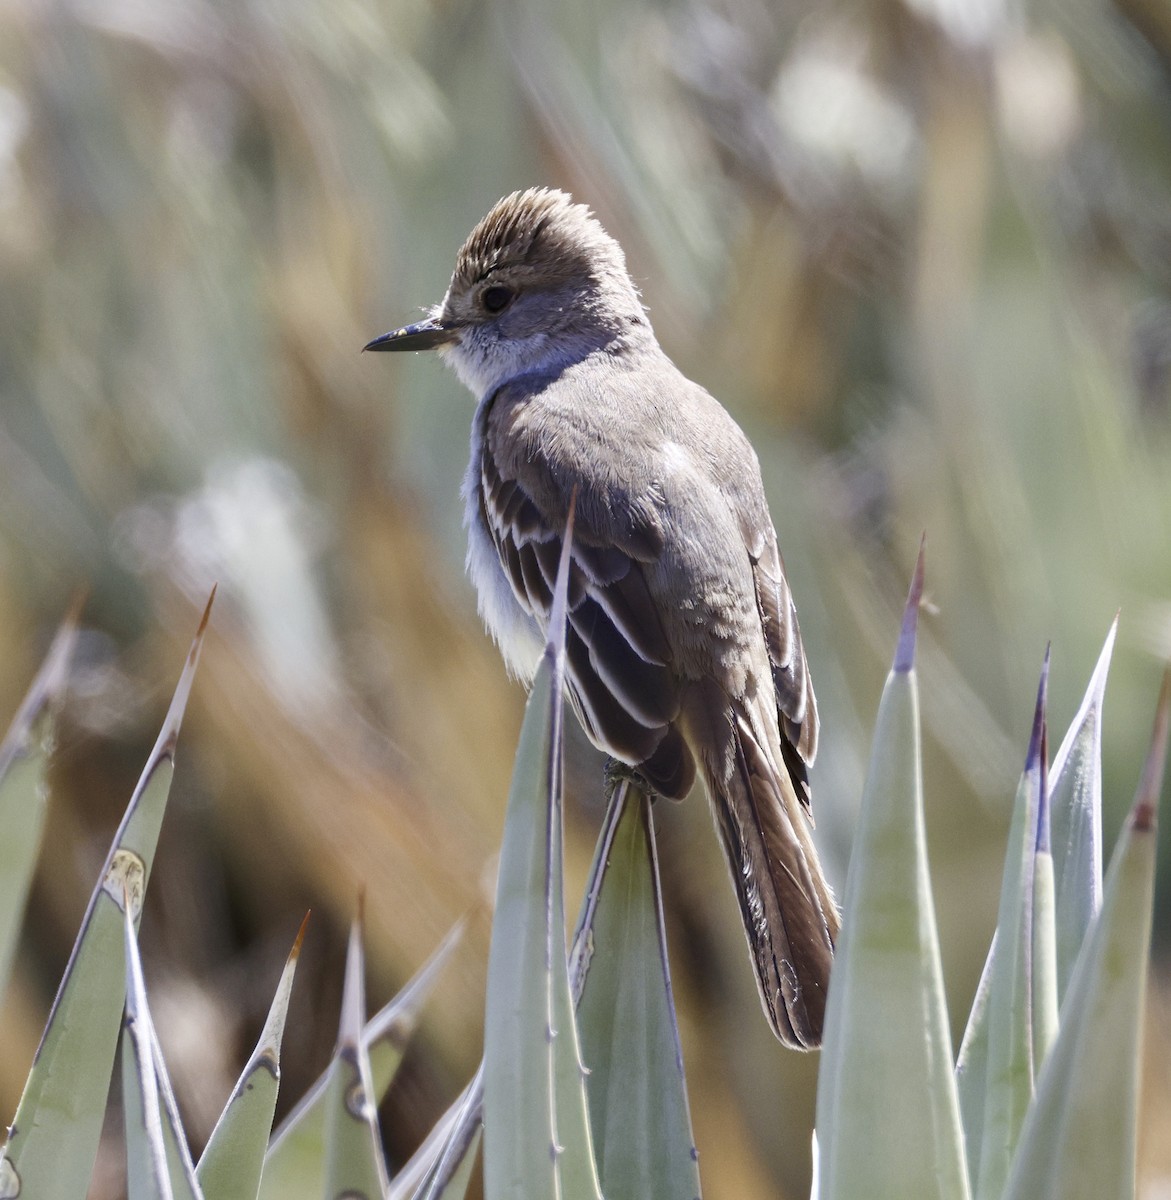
point(922, 250)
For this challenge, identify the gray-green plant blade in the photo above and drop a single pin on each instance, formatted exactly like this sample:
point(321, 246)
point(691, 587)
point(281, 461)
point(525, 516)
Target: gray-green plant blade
point(1044, 947)
point(53, 1140)
point(1008, 1070)
point(455, 1172)
point(24, 785)
point(639, 1113)
point(452, 1162)
point(180, 1168)
point(293, 1165)
point(536, 1121)
point(231, 1164)
point(354, 1165)
point(147, 1176)
point(1076, 820)
point(888, 1123)
point(972, 1063)
point(1080, 1136)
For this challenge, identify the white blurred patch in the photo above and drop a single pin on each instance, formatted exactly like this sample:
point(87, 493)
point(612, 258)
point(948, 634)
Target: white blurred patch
point(187, 26)
point(13, 127)
point(1038, 97)
point(966, 22)
point(103, 698)
point(1153, 628)
point(251, 530)
point(828, 104)
point(816, 1187)
point(197, 1034)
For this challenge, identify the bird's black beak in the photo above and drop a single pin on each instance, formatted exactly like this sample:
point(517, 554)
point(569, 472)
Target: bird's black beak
point(422, 335)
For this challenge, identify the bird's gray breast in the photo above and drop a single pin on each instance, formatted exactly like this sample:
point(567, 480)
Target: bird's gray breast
point(645, 452)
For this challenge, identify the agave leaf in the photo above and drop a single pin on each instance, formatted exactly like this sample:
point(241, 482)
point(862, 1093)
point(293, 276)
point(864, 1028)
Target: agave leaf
point(180, 1168)
point(888, 1121)
point(1044, 947)
point(972, 1063)
point(455, 1171)
point(1076, 808)
point(537, 1129)
point(1079, 1139)
point(158, 1166)
point(293, 1165)
point(54, 1138)
point(24, 785)
point(626, 1015)
point(231, 1165)
point(452, 1160)
point(998, 1041)
point(354, 1165)
point(147, 1176)
point(456, 1135)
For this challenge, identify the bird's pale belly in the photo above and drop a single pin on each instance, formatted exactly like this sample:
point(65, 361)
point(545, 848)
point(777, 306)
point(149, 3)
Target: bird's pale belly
point(515, 631)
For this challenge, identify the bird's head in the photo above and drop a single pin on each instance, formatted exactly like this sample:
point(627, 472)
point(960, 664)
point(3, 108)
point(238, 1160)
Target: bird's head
point(537, 285)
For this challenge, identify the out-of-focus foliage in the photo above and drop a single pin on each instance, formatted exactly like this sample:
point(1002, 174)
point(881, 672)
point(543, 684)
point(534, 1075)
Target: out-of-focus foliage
point(919, 248)
point(53, 1139)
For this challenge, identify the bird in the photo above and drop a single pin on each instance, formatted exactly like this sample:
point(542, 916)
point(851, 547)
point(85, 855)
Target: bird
point(683, 653)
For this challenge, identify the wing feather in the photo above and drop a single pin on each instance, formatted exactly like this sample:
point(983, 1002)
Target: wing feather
point(640, 696)
point(617, 654)
point(796, 704)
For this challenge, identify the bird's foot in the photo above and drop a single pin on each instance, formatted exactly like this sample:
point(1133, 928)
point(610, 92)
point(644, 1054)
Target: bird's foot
point(617, 773)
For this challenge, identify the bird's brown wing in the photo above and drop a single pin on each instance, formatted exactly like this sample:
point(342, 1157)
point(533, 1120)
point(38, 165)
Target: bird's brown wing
point(620, 682)
point(796, 704)
point(635, 703)
point(788, 912)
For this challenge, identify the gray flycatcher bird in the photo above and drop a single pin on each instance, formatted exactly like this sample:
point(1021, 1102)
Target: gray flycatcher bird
point(683, 648)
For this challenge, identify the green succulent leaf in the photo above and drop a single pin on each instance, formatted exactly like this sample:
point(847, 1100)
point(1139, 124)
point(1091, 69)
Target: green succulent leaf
point(158, 1165)
point(293, 1163)
point(1044, 948)
point(53, 1139)
point(639, 1112)
point(452, 1155)
point(354, 1165)
point(888, 1123)
point(1076, 818)
point(1045, 1003)
point(24, 785)
point(537, 1129)
point(995, 1067)
point(455, 1174)
point(232, 1162)
point(147, 1176)
point(180, 1168)
point(1080, 1136)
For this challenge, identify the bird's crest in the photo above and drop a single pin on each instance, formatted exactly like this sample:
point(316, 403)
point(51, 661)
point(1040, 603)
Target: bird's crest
point(541, 228)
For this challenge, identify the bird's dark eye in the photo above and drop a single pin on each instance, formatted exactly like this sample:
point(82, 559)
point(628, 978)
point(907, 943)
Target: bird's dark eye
point(496, 298)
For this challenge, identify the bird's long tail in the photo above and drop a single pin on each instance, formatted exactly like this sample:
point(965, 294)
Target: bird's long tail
point(789, 915)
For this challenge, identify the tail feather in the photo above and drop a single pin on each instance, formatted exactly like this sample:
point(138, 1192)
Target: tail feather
point(789, 915)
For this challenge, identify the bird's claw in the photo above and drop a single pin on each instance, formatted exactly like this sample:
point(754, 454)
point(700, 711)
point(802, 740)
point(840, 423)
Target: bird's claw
point(617, 773)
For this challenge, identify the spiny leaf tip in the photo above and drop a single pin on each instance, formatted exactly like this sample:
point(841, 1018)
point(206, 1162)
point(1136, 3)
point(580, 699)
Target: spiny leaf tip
point(206, 613)
point(295, 953)
point(1036, 741)
point(905, 652)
